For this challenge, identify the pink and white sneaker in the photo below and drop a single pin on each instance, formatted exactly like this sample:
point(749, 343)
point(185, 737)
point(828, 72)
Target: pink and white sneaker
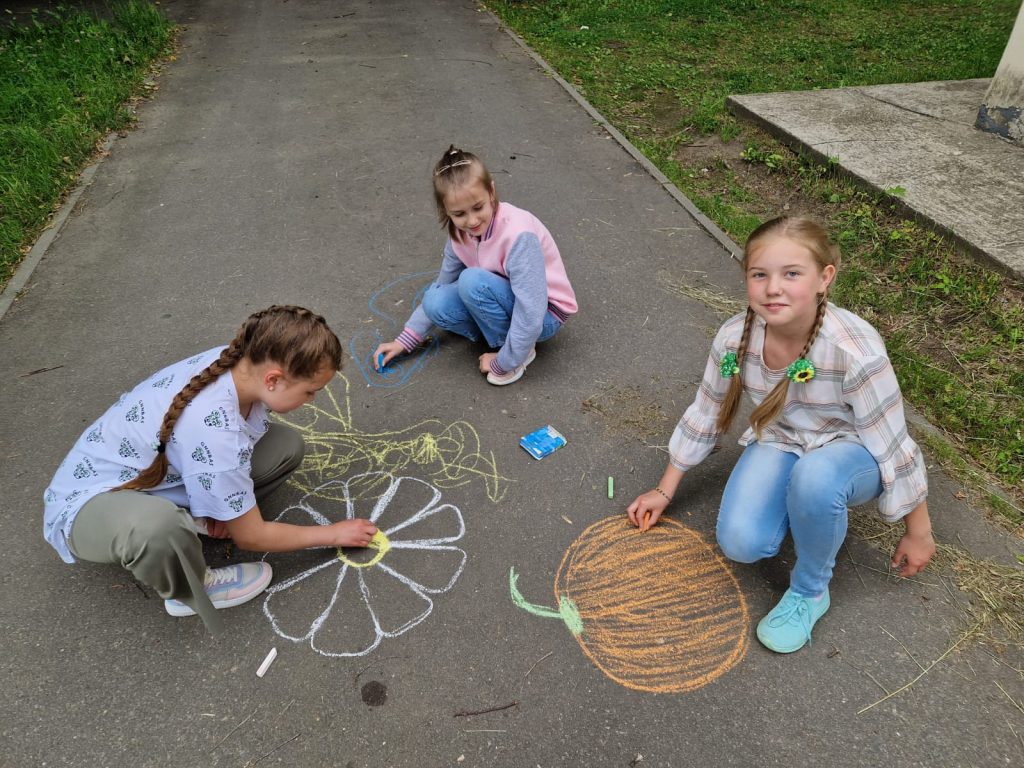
point(501, 379)
point(228, 586)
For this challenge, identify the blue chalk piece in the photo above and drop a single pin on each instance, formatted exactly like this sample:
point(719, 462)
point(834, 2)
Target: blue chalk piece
point(382, 369)
point(542, 442)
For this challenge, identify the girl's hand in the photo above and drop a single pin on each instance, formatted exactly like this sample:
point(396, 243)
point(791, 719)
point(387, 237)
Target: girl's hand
point(216, 529)
point(653, 503)
point(351, 533)
point(913, 553)
point(390, 350)
point(485, 361)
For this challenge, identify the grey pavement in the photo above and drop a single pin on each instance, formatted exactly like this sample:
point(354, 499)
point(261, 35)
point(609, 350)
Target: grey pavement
point(286, 159)
point(919, 137)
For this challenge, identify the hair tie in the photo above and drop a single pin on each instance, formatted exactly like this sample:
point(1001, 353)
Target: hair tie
point(448, 167)
point(800, 370)
point(159, 447)
point(729, 367)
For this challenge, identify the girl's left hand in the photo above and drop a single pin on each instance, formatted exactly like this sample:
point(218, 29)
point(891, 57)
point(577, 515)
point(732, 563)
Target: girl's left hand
point(485, 361)
point(913, 553)
point(216, 529)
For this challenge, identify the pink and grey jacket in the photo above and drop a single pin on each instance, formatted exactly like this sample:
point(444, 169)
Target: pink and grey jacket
point(519, 247)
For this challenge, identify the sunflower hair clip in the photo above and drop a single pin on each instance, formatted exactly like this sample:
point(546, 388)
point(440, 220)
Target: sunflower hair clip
point(729, 367)
point(800, 370)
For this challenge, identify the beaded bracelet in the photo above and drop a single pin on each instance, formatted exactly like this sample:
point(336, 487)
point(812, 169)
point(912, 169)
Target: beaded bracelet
point(662, 493)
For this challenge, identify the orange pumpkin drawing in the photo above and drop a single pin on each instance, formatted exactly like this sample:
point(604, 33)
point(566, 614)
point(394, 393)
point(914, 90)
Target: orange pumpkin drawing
point(658, 611)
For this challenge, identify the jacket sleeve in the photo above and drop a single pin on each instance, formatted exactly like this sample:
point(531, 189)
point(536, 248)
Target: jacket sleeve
point(872, 391)
point(418, 324)
point(528, 279)
point(697, 432)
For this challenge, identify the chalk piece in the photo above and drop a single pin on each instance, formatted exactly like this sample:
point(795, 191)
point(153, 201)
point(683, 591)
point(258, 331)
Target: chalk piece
point(542, 442)
point(611, 487)
point(384, 370)
point(266, 663)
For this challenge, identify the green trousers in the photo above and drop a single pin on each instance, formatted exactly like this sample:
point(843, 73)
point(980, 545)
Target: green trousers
point(155, 539)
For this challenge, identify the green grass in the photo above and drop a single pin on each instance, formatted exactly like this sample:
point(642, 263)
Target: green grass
point(660, 70)
point(627, 54)
point(65, 80)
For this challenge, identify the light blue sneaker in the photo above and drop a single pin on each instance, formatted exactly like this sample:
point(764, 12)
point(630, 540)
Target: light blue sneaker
point(228, 586)
point(787, 627)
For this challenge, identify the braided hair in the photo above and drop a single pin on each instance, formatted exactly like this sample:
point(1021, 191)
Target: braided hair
point(455, 169)
point(812, 236)
point(295, 338)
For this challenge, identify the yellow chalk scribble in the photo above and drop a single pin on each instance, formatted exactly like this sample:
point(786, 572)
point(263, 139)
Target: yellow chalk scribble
point(449, 455)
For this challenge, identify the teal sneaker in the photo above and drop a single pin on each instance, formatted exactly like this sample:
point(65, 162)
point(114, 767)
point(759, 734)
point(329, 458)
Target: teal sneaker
point(228, 587)
point(788, 625)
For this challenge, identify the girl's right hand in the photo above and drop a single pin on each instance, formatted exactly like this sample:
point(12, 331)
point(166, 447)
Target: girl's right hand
point(390, 350)
point(351, 533)
point(652, 502)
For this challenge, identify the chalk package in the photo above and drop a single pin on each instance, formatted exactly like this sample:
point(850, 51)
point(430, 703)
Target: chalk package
point(542, 442)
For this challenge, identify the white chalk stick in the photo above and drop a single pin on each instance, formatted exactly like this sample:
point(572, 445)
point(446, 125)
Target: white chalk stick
point(266, 663)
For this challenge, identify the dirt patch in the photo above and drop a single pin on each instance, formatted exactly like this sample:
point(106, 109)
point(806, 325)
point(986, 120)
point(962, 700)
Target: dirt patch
point(718, 168)
point(706, 151)
point(628, 411)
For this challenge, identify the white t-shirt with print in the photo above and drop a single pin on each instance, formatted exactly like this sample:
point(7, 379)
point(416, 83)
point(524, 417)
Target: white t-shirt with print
point(210, 451)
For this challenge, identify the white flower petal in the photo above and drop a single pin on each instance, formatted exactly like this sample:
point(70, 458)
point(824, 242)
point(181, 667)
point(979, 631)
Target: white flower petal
point(352, 628)
point(295, 605)
point(432, 569)
point(324, 505)
point(434, 525)
point(406, 606)
point(391, 512)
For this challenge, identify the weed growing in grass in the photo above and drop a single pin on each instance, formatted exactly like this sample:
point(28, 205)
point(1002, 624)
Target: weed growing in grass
point(65, 78)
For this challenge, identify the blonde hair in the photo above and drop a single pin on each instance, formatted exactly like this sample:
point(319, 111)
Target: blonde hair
point(455, 169)
point(812, 236)
point(292, 337)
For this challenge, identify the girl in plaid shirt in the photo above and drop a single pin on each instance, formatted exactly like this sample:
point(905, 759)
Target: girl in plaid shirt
point(828, 430)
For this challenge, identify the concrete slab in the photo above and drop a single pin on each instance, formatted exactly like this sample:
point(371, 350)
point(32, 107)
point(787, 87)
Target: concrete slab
point(286, 159)
point(918, 136)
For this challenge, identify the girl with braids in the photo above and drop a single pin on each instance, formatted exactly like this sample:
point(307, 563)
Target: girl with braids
point(501, 279)
point(828, 430)
point(191, 450)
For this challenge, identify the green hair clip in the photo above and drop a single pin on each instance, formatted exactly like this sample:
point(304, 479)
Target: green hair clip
point(729, 367)
point(800, 370)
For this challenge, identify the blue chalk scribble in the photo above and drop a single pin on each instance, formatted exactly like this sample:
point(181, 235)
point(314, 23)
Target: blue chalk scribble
point(399, 370)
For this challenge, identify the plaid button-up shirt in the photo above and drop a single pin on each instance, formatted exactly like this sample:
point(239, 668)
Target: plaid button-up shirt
point(853, 396)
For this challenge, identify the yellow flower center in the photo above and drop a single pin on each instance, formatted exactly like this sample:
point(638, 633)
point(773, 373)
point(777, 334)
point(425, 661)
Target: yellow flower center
point(379, 542)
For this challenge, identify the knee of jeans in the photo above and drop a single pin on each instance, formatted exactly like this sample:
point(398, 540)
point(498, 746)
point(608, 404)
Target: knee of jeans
point(470, 281)
point(432, 304)
point(739, 546)
point(813, 489)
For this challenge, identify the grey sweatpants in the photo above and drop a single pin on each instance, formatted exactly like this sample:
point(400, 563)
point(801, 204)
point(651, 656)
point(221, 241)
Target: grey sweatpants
point(155, 539)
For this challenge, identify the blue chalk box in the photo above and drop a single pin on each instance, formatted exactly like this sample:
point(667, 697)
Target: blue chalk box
point(543, 441)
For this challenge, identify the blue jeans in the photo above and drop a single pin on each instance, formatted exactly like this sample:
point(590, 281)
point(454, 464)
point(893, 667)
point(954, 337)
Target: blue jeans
point(771, 491)
point(478, 304)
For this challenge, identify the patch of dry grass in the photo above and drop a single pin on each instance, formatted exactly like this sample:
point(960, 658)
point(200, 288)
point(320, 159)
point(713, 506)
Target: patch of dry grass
point(996, 592)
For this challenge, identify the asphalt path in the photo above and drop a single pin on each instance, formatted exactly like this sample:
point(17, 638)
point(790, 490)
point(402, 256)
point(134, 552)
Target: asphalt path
point(285, 158)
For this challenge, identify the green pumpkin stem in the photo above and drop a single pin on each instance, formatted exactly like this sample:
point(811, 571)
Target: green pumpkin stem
point(567, 610)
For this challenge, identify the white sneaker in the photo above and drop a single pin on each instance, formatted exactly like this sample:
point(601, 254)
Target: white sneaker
point(514, 375)
point(228, 586)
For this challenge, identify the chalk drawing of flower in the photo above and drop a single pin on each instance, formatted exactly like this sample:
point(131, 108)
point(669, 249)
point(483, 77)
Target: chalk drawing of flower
point(347, 601)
